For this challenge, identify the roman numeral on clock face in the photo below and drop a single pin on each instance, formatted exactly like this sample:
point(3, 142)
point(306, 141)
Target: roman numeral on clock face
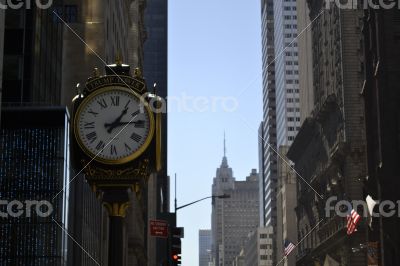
point(139, 124)
point(88, 125)
point(127, 148)
point(115, 100)
point(113, 149)
point(136, 137)
point(92, 136)
point(100, 145)
point(102, 102)
point(135, 113)
point(93, 112)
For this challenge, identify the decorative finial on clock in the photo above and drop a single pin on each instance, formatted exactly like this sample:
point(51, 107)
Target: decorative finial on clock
point(137, 73)
point(96, 72)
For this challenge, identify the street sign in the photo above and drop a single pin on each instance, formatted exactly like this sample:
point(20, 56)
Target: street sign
point(159, 228)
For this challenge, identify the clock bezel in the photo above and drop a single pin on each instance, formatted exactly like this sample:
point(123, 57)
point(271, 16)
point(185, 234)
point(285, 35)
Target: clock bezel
point(126, 159)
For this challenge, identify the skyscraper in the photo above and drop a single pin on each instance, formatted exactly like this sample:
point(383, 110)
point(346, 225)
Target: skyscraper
point(234, 217)
point(286, 71)
point(155, 70)
point(268, 130)
point(281, 107)
point(204, 247)
point(34, 154)
point(34, 166)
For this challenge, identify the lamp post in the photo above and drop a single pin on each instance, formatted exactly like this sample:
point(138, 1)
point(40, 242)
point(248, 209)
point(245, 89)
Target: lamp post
point(223, 196)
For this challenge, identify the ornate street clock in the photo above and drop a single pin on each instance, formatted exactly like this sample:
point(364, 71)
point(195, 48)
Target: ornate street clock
point(116, 143)
point(116, 132)
point(112, 126)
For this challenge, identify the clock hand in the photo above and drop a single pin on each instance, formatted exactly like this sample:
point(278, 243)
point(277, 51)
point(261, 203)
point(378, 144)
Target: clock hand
point(136, 123)
point(132, 122)
point(114, 124)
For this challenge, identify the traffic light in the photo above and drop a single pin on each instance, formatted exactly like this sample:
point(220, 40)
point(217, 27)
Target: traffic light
point(176, 248)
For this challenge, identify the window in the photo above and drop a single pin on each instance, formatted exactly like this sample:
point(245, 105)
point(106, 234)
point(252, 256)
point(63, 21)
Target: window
point(71, 13)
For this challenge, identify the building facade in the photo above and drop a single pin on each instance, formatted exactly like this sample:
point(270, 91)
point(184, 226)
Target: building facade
point(286, 71)
point(34, 167)
point(234, 217)
point(268, 131)
point(258, 249)
point(281, 100)
point(205, 239)
point(155, 70)
point(329, 151)
point(286, 209)
point(305, 60)
point(382, 115)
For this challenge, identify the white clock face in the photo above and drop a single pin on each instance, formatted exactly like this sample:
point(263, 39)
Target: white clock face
point(112, 125)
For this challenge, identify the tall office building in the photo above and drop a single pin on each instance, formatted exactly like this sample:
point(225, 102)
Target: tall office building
point(305, 60)
point(234, 217)
point(34, 166)
point(381, 35)
point(268, 130)
point(155, 69)
point(330, 149)
point(281, 107)
point(34, 152)
point(286, 71)
point(204, 247)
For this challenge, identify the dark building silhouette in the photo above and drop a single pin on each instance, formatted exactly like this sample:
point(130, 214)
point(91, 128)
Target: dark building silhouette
point(381, 30)
point(34, 154)
point(34, 166)
point(155, 70)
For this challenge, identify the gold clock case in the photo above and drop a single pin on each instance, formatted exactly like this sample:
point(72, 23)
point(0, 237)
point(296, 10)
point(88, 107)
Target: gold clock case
point(124, 160)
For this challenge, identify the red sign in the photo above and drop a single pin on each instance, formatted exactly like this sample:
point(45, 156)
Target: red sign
point(159, 228)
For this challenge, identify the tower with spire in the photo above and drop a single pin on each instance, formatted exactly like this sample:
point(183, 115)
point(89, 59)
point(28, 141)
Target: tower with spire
point(224, 175)
point(234, 217)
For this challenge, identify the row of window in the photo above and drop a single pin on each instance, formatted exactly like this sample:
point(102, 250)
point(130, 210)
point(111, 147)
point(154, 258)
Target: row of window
point(287, 17)
point(287, 8)
point(291, 109)
point(290, 26)
point(291, 72)
point(291, 100)
point(292, 119)
point(293, 128)
point(290, 63)
point(291, 53)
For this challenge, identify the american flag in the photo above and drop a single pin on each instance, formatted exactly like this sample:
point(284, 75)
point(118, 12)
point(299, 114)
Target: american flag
point(353, 218)
point(289, 246)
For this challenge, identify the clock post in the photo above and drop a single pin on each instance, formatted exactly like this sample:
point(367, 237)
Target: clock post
point(117, 140)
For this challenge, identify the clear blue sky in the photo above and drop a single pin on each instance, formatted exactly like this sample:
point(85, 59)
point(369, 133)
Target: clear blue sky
point(214, 54)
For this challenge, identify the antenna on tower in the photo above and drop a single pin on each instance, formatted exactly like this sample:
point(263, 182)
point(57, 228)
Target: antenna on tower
point(224, 145)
